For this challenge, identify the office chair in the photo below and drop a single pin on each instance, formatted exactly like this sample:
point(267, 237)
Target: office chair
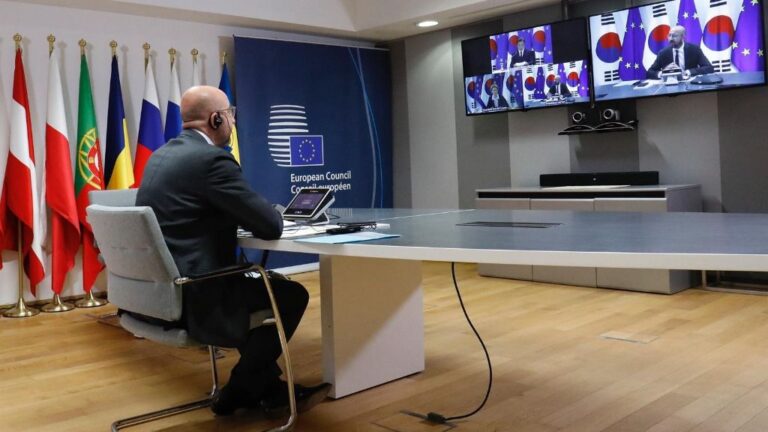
point(142, 278)
point(113, 198)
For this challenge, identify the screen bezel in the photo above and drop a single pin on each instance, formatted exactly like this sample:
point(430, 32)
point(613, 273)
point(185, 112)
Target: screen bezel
point(294, 213)
point(592, 54)
point(588, 60)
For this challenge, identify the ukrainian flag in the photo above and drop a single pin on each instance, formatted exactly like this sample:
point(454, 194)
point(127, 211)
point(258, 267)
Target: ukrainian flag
point(227, 88)
point(118, 169)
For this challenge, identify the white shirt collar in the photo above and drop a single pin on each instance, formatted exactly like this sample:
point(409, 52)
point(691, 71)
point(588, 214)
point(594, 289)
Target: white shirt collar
point(206, 137)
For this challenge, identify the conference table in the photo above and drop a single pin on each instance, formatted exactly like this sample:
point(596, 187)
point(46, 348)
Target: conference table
point(641, 88)
point(371, 297)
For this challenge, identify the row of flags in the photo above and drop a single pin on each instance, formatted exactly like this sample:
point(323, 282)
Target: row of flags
point(729, 32)
point(22, 201)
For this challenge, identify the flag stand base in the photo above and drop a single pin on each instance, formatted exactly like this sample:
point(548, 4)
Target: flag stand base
point(56, 305)
point(20, 310)
point(89, 301)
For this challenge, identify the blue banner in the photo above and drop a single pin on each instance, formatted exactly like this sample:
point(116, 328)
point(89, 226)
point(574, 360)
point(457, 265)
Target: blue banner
point(312, 115)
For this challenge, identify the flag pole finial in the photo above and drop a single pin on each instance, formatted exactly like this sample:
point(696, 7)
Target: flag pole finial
point(51, 39)
point(223, 57)
point(172, 53)
point(146, 47)
point(194, 53)
point(17, 41)
point(113, 45)
point(82, 44)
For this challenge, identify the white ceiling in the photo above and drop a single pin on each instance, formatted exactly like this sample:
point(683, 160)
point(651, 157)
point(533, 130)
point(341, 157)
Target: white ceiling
point(376, 20)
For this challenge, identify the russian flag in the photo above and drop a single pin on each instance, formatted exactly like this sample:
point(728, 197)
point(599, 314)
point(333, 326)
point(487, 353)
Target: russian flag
point(173, 111)
point(150, 125)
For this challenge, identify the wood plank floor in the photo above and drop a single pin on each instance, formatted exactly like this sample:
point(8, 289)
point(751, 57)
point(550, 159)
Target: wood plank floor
point(565, 359)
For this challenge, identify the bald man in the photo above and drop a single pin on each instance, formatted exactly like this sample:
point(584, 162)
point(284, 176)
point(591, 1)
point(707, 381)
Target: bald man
point(687, 57)
point(199, 195)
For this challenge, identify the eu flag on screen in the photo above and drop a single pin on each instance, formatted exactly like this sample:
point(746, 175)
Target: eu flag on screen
point(518, 87)
point(748, 52)
point(632, 48)
point(548, 44)
point(539, 92)
point(584, 81)
point(688, 18)
point(306, 150)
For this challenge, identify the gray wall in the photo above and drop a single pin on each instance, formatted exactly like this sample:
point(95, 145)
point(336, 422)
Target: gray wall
point(715, 139)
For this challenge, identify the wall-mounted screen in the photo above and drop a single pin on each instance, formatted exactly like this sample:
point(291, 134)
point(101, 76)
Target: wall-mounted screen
point(535, 67)
point(677, 46)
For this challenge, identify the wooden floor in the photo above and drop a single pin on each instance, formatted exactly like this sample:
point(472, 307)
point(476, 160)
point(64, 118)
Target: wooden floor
point(565, 359)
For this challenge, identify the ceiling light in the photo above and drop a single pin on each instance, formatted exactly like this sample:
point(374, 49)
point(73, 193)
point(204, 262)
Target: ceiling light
point(427, 23)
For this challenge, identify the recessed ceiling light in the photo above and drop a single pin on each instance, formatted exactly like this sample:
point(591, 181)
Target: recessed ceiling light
point(427, 23)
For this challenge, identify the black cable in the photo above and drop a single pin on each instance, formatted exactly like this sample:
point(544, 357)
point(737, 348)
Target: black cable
point(439, 418)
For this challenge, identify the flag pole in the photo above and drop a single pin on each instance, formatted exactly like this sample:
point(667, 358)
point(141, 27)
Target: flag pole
point(88, 301)
point(20, 310)
point(146, 47)
point(56, 305)
point(172, 53)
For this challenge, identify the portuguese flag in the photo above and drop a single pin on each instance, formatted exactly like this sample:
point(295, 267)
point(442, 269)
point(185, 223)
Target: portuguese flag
point(88, 175)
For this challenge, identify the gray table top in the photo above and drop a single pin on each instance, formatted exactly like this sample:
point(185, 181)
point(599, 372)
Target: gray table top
point(712, 241)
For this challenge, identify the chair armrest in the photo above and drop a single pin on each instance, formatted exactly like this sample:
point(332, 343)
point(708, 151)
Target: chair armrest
point(226, 271)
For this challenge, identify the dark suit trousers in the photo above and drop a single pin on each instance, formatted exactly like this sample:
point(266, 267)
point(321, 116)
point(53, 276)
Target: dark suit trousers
point(257, 371)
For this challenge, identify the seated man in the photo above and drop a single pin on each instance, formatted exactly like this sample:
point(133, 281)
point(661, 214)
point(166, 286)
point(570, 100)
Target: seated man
point(559, 89)
point(522, 57)
point(496, 100)
point(680, 55)
point(199, 195)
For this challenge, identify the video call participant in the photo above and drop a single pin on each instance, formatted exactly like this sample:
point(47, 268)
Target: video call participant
point(522, 57)
point(496, 100)
point(687, 57)
point(199, 196)
point(559, 89)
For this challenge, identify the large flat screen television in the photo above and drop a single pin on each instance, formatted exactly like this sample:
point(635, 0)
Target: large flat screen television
point(535, 67)
point(677, 46)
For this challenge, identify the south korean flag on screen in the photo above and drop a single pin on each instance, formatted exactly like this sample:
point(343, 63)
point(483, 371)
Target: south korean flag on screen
point(606, 46)
point(718, 33)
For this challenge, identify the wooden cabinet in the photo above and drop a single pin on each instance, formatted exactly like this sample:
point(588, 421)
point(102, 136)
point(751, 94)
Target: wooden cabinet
point(663, 198)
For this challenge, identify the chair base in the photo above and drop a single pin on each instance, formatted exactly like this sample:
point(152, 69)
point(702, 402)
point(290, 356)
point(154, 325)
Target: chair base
point(156, 415)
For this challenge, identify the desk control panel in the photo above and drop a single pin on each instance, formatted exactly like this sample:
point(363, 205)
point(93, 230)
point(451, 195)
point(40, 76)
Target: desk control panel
point(658, 198)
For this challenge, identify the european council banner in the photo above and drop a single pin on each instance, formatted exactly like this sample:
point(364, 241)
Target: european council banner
point(313, 115)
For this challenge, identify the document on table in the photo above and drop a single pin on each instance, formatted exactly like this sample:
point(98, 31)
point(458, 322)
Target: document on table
point(347, 238)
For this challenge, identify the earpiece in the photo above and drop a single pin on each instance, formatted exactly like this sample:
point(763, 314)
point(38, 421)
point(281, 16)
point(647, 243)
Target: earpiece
point(216, 121)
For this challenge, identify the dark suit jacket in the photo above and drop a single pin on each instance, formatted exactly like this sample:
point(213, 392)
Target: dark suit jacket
point(502, 103)
point(199, 196)
point(563, 90)
point(528, 56)
point(695, 61)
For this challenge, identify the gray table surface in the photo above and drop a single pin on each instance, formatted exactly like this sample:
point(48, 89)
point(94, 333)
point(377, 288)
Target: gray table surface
point(714, 241)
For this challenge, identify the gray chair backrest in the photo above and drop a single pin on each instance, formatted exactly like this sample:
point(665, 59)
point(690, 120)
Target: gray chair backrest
point(114, 198)
point(140, 269)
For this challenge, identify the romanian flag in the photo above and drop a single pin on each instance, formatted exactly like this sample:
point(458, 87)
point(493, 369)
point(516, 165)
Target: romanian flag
point(224, 86)
point(150, 125)
point(118, 169)
point(21, 180)
point(173, 111)
point(88, 175)
point(60, 192)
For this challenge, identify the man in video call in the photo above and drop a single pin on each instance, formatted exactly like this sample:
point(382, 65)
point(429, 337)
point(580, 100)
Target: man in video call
point(559, 89)
point(680, 55)
point(522, 56)
point(496, 100)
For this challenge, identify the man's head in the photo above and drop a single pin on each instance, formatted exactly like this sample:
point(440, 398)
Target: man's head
point(494, 89)
point(676, 36)
point(557, 79)
point(520, 45)
point(207, 109)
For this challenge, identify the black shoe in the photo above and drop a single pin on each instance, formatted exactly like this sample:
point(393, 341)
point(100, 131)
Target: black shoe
point(229, 399)
point(276, 405)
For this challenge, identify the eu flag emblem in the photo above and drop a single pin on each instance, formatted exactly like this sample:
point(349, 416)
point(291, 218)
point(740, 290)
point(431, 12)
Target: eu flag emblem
point(306, 150)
